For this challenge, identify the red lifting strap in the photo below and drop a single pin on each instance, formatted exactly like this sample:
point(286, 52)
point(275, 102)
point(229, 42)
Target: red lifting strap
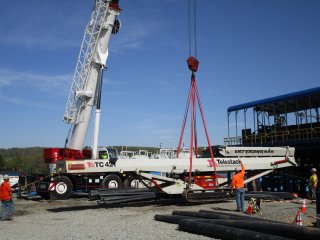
point(193, 64)
point(193, 98)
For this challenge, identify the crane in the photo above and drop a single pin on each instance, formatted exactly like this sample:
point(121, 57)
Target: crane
point(86, 85)
point(85, 91)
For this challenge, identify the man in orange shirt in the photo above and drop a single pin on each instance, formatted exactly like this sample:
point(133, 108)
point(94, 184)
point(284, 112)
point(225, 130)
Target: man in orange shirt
point(238, 186)
point(6, 199)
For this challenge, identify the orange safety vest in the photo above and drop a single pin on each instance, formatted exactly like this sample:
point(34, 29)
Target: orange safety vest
point(5, 191)
point(238, 179)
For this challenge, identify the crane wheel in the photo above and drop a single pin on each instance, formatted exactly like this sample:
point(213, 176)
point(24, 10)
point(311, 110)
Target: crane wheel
point(63, 188)
point(111, 181)
point(185, 194)
point(131, 182)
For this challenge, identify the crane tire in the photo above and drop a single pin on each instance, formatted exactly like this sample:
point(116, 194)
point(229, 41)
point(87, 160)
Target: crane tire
point(111, 181)
point(130, 182)
point(63, 188)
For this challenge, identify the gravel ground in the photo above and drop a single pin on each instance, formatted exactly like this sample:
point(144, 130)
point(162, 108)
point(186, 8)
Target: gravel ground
point(79, 218)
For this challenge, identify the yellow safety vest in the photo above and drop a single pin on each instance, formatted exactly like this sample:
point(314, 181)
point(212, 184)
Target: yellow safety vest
point(313, 182)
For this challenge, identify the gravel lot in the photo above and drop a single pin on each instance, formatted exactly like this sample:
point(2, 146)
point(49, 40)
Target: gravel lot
point(79, 218)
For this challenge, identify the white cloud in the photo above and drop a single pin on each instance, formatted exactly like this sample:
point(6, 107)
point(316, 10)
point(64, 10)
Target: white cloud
point(159, 127)
point(164, 135)
point(34, 40)
point(55, 26)
point(116, 93)
point(43, 82)
point(53, 84)
point(26, 36)
point(24, 102)
point(129, 38)
point(107, 81)
point(42, 25)
point(136, 35)
point(164, 84)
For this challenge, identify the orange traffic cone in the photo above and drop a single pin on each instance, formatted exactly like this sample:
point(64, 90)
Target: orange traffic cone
point(304, 206)
point(298, 219)
point(250, 208)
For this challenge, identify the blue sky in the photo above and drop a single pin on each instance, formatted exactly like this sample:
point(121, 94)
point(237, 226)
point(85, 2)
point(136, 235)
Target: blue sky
point(247, 49)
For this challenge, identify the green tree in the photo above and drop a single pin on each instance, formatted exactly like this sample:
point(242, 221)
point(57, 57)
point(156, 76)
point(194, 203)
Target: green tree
point(2, 163)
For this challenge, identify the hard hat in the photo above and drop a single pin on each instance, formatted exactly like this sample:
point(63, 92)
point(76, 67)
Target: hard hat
point(313, 170)
point(5, 176)
point(237, 169)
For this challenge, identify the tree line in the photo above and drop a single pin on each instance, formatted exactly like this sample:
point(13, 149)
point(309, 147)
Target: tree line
point(30, 160)
point(27, 160)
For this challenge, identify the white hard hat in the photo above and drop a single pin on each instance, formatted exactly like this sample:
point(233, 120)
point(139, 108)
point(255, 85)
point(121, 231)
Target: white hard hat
point(237, 169)
point(313, 170)
point(5, 176)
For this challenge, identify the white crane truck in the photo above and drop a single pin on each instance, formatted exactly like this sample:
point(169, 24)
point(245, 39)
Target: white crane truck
point(73, 168)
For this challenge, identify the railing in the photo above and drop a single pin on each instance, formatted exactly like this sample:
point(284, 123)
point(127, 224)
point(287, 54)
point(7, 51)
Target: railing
point(274, 137)
point(232, 141)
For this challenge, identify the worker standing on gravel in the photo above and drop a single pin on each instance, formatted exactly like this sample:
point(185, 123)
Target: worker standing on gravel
point(238, 186)
point(6, 199)
point(313, 184)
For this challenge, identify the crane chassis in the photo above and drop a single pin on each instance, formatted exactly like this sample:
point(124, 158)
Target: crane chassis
point(167, 175)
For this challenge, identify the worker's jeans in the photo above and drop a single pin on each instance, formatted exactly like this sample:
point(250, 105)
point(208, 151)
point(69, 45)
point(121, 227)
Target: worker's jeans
point(7, 205)
point(313, 192)
point(240, 199)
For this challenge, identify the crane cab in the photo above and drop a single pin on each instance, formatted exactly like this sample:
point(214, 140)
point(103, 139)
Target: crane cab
point(108, 153)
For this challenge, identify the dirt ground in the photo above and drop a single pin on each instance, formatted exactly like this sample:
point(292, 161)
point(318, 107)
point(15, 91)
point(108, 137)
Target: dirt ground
point(79, 218)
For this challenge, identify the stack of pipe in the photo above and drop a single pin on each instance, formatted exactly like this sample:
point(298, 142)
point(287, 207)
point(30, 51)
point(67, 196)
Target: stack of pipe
point(114, 196)
point(222, 225)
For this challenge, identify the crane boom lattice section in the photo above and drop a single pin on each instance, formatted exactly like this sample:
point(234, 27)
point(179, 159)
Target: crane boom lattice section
point(86, 55)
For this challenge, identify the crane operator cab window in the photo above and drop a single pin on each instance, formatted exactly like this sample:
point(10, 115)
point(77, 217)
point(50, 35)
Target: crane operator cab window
point(103, 155)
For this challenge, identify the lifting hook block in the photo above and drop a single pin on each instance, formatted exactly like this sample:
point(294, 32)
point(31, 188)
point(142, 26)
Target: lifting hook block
point(193, 64)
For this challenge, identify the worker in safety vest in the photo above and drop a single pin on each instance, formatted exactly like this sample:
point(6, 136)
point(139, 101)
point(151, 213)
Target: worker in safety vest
point(313, 184)
point(104, 156)
point(238, 185)
point(6, 199)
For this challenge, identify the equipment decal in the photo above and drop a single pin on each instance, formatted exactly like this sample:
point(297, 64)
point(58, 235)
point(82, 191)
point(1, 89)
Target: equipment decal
point(104, 164)
point(100, 164)
point(254, 151)
point(228, 162)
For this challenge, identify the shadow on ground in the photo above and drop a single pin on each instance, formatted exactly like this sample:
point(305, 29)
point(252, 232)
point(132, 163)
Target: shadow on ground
point(159, 202)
